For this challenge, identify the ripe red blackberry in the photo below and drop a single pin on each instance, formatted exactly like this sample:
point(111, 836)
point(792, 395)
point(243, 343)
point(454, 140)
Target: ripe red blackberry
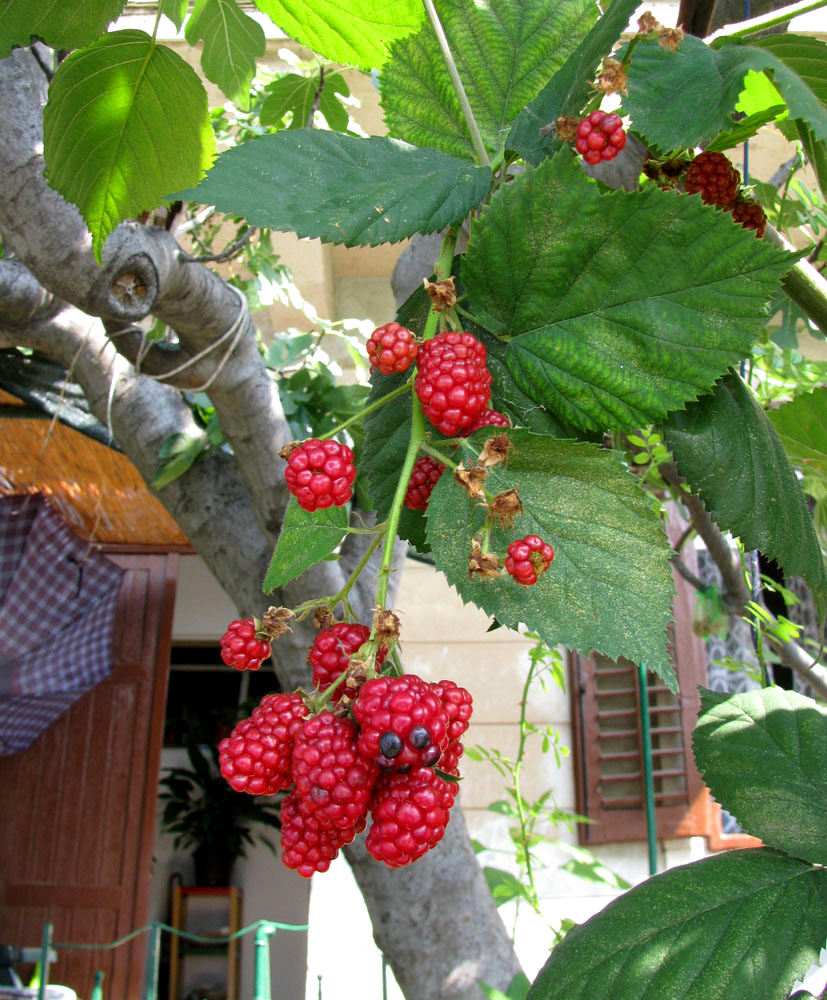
point(391, 348)
point(713, 177)
point(333, 779)
point(599, 136)
point(750, 215)
point(453, 382)
point(488, 418)
point(256, 757)
point(241, 648)
point(458, 705)
point(424, 477)
point(410, 813)
point(320, 474)
point(332, 649)
point(306, 845)
point(528, 558)
point(402, 722)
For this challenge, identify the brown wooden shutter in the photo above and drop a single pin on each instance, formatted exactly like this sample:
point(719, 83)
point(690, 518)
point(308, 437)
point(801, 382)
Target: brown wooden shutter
point(79, 804)
point(607, 741)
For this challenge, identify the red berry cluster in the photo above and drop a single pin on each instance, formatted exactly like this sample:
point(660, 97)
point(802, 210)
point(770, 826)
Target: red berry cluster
point(241, 647)
point(716, 180)
point(528, 558)
point(599, 136)
point(391, 348)
point(453, 382)
point(332, 649)
point(380, 763)
point(320, 474)
point(424, 477)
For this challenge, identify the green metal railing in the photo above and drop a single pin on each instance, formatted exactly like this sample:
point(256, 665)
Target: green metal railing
point(263, 929)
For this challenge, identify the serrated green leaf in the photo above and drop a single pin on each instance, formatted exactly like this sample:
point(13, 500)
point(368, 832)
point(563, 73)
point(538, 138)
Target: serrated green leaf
point(505, 51)
point(739, 926)
point(297, 94)
point(503, 885)
point(801, 426)
point(763, 755)
point(710, 81)
point(730, 454)
point(232, 43)
point(175, 10)
point(305, 539)
point(609, 587)
point(567, 275)
point(342, 189)
point(570, 88)
point(357, 33)
point(126, 122)
point(59, 25)
point(745, 129)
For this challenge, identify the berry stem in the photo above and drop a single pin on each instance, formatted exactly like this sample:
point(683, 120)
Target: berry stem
point(375, 405)
point(381, 531)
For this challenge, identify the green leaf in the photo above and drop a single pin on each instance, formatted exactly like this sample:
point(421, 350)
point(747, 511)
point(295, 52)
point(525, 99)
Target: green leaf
point(738, 926)
point(126, 122)
point(609, 587)
point(570, 88)
point(745, 129)
point(585, 865)
point(710, 81)
point(618, 306)
point(801, 426)
point(59, 25)
point(232, 42)
point(357, 33)
point(177, 453)
point(730, 454)
point(305, 539)
point(175, 10)
point(763, 755)
point(505, 51)
point(297, 94)
point(517, 989)
point(503, 885)
point(342, 189)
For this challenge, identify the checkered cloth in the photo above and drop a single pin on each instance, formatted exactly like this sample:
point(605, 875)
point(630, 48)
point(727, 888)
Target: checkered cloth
point(58, 599)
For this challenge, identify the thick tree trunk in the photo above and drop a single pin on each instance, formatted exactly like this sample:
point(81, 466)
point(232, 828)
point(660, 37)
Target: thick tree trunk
point(55, 299)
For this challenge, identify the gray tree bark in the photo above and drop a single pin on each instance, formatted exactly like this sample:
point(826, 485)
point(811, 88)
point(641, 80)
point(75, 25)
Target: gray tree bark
point(56, 299)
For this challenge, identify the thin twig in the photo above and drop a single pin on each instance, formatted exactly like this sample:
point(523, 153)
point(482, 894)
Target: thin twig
point(225, 254)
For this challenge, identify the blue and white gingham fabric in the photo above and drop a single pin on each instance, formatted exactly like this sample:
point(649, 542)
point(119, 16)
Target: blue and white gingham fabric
point(58, 600)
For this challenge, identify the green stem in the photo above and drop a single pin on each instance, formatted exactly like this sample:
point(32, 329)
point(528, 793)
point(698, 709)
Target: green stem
point(381, 531)
point(515, 774)
point(459, 90)
point(375, 405)
point(756, 24)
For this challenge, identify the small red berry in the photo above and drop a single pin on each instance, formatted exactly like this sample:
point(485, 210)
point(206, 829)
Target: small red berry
point(332, 649)
point(528, 558)
point(320, 474)
point(453, 382)
point(307, 845)
point(240, 648)
point(600, 136)
point(391, 348)
point(488, 418)
point(424, 477)
point(256, 757)
point(713, 177)
point(750, 215)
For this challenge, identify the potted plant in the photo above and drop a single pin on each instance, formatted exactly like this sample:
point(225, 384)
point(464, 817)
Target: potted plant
point(206, 815)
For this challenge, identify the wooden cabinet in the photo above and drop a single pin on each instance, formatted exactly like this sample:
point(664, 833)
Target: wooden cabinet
point(209, 969)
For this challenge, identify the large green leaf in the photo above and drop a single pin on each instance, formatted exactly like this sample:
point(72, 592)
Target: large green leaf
point(609, 587)
point(763, 755)
point(232, 42)
point(343, 189)
point(357, 32)
point(505, 50)
point(305, 538)
point(802, 427)
point(59, 25)
point(740, 926)
point(710, 80)
point(618, 306)
point(570, 88)
point(729, 453)
point(126, 123)
point(298, 95)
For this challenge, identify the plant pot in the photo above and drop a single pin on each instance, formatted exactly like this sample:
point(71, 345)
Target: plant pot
point(212, 867)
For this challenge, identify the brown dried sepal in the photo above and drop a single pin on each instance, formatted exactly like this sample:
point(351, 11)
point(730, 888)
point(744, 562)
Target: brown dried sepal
point(613, 77)
point(355, 676)
point(323, 618)
point(386, 626)
point(484, 564)
point(442, 294)
point(670, 38)
point(647, 22)
point(496, 450)
point(506, 507)
point(565, 128)
point(274, 622)
point(471, 480)
point(288, 449)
